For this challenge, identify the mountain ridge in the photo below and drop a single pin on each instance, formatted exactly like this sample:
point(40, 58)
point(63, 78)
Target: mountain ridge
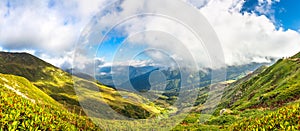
point(269, 93)
point(266, 99)
point(59, 85)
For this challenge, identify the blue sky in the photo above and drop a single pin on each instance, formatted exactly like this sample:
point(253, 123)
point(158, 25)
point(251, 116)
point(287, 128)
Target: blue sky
point(50, 29)
point(282, 14)
point(285, 12)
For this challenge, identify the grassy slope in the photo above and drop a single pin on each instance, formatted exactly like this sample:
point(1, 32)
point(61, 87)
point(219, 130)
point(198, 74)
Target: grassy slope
point(274, 87)
point(274, 97)
point(253, 100)
point(25, 87)
point(284, 118)
point(19, 113)
point(266, 99)
point(60, 86)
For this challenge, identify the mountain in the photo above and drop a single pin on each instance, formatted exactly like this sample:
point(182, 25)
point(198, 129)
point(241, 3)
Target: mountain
point(266, 99)
point(24, 107)
point(26, 89)
point(59, 85)
point(80, 74)
point(36, 94)
point(137, 78)
point(273, 87)
point(26, 65)
point(105, 74)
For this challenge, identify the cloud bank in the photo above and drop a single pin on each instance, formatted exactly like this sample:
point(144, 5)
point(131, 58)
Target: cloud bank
point(248, 37)
point(50, 29)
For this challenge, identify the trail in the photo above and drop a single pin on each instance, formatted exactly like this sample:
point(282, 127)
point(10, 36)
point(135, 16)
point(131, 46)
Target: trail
point(16, 91)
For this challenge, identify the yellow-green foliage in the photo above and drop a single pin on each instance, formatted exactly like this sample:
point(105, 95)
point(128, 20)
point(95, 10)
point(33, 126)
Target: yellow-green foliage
point(285, 118)
point(254, 98)
point(251, 99)
point(60, 86)
point(25, 87)
point(273, 87)
point(132, 105)
point(18, 113)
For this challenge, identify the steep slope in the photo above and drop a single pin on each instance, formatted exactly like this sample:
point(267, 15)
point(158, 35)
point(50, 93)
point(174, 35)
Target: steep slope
point(25, 89)
point(231, 94)
point(60, 86)
point(26, 65)
point(284, 118)
point(25, 107)
point(266, 99)
point(272, 88)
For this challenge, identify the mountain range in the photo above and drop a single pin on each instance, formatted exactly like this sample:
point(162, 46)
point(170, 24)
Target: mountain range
point(37, 95)
point(46, 84)
point(125, 77)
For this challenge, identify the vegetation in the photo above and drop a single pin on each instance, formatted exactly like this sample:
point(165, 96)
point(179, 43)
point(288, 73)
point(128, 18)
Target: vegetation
point(272, 88)
point(286, 118)
point(20, 113)
point(263, 100)
point(59, 85)
point(35, 95)
point(26, 88)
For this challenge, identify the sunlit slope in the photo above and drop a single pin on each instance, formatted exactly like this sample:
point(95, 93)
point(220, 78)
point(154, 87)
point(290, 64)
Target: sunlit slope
point(284, 118)
point(26, 65)
point(60, 86)
point(24, 107)
point(24, 88)
point(267, 99)
point(272, 88)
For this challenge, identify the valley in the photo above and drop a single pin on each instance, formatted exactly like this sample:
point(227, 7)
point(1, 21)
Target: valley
point(35, 94)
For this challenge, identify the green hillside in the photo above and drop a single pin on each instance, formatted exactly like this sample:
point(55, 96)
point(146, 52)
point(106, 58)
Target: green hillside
point(26, 65)
point(38, 95)
point(24, 87)
point(267, 99)
point(285, 118)
point(272, 88)
point(59, 85)
point(25, 107)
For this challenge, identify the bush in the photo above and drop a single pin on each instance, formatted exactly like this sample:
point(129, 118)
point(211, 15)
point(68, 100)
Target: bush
point(285, 118)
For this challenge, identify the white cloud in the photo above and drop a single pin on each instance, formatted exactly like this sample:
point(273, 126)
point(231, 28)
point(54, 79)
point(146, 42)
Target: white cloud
point(197, 3)
point(35, 26)
point(246, 37)
point(59, 61)
point(51, 27)
point(154, 31)
point(29, 51)
point(264, 7)
point(135, 63)
point(52, 31)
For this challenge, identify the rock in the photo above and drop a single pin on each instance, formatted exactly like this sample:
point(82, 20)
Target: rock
point(225, 111)
point(222, 111)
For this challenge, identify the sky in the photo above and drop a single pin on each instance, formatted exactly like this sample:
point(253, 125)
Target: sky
point(53, 30)
point(283, 13)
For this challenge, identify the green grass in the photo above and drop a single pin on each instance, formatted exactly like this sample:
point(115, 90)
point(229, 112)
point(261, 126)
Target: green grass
point(285, 118)
point(263, 100)
point(267, 99)
point(18, 113)
point(25, 87)
point(60, 86)
point(272, 88)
